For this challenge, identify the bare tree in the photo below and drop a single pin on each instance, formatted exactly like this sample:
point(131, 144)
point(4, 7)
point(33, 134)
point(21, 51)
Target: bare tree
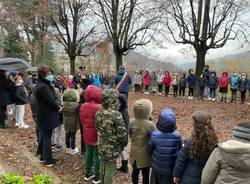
point(128, 23)
point(75, 26)
point(205, 24)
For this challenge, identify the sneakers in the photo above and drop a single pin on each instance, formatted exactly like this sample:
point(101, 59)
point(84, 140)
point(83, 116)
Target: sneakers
point(89, 177)
point(23, 126)
point(74, 151)
point(68, 150)
point(96, 180)
point(214, 99)
point(209, 98)
point(52, 162)
point(41, 160)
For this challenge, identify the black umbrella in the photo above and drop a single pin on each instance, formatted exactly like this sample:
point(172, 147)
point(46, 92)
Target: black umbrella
point(14, 64)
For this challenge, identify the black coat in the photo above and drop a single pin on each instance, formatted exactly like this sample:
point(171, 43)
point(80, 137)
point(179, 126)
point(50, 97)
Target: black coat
point(47, 105)
point(243, 85)
point(188, 170)
point(21, 97)
point(203, 81)
point(7, 88)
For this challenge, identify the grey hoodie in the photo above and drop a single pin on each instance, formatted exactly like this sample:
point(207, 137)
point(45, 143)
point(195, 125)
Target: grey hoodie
point(228, 164)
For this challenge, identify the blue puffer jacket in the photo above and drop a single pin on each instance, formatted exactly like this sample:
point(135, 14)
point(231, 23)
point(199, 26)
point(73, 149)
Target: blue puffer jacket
point(234, 81)
point(191, 80)
point(165, 144)
point(125, 87)
point(188, 170)
point(213, 82)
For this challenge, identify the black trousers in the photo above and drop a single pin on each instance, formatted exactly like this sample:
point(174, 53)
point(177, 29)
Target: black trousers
point(136, 172)
point(243, 96)
point(160, 88)
point(191, 92)
point(82, 141)
point(44, 145)
point(2, 114)
point(70, 140)
point(175, 90)
point(182, 91)
point(137, 88)
point(167, 90)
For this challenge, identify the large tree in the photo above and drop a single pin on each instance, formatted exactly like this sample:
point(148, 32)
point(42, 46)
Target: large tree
point(128, 23)
point(74, 25)
point(205, 24)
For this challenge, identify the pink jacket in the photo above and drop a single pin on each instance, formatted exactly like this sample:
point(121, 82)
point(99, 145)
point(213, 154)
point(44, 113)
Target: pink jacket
point(146, 79)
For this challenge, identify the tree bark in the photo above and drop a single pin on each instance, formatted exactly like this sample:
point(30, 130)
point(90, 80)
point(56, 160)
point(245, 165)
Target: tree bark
point(200, 60)
point(72, 64)
point(118, 60)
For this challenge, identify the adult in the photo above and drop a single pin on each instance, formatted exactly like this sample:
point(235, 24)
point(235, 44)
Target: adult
point(207, 74)
point(81, 78)
point(7, 87)
point(122, 81)
point(29, 83)
point(47, 113)
point(230, 162)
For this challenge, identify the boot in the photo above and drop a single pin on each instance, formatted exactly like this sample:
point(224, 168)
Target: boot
point(124, 167)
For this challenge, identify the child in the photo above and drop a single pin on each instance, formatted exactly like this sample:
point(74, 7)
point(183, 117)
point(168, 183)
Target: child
point(182, 84)
point(165, 144)
point(70, 81)
point(202, 85)
point(175, 84)
point(191, 80)
point(213, 85)
point(96, 80)
point(140, 130)
point(196, 150)
point(146, 80)
point(167, 82)
point(21, 99)
point(234, 84)
point(92, 96)
point(160, 78)
point(243, 87)
point(153, 81)
point(229, 162)
point(137, 81)
point(123, 109)
point(70, 119)
point(112, 134)
point(223, 84)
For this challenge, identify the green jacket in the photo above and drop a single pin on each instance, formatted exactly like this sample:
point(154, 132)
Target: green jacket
point(111, 131)
point(70, 110)
point(140, 130)
point(228, 164)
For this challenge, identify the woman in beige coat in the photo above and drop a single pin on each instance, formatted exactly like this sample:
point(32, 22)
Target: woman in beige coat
point(140, 130)
point(229, 163)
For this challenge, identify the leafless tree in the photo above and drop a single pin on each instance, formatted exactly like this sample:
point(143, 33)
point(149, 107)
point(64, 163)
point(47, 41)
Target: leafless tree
point(128, 23)
point(205, 24)
point(75, 27)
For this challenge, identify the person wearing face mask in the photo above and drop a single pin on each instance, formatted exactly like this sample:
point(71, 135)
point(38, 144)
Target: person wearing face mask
point(202, 85)
point(21, 99)
point(243, 87)
point(191, 80)
point(234, 84)
point(47, 114)
point(213, 85)
point(6, 88)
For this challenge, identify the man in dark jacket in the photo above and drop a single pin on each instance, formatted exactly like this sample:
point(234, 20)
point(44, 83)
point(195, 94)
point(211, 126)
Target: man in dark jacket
point(6, 87)
point(207, 74)
point(81, 78)
point(191, 80)
point(122, 81)
point(213, 85)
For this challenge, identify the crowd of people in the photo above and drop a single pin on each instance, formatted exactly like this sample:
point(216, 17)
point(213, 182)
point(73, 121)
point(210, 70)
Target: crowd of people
point(98, 107)
point(208, 83)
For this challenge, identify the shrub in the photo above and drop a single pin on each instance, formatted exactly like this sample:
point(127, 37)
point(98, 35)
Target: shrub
point(42, 179)
point(10, 178)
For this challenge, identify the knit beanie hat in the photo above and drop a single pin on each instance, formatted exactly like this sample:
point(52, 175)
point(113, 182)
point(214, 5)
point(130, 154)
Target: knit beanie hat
point(166, 121)
point(242, 132)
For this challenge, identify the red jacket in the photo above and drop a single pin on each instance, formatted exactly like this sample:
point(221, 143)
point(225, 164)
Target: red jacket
point(224, 80)
point(92, 97)
point(167, 80)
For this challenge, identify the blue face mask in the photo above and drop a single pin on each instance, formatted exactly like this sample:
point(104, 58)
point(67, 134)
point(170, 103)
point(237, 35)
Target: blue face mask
point(50, 78)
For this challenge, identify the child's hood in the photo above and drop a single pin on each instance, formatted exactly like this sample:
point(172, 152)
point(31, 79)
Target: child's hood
point(93, 93)
point(142, 109)
point(70, 95)
point(110, 99)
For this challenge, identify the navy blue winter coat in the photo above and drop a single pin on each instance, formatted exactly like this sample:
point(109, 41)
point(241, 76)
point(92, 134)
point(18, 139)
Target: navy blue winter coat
point(21, 97)
point(125, 87)
point(203, 82)
point(213, 82)
point(188, 170)
point(165, 147)
point(243, 85)
point(207, 74)
point(191, 80)
point(183, 82)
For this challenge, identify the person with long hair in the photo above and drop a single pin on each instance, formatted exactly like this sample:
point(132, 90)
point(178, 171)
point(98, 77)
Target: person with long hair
point(195, 150)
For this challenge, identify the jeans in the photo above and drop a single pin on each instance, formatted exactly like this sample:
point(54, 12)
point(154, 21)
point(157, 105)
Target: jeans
point(167, 90)
point(212, 93)
point(160, 88)
point(2, 115)
point(108, 169)
point(70, 140)
point(234, 95)
point(191, 92)
point(20, 110)
point(44, 145)
point(137, 88)
point(182, 91)
point(175, 90)
point(163, 179)
point(136, 172)
point(56, 136)
point(92, 159)
point(202, 90)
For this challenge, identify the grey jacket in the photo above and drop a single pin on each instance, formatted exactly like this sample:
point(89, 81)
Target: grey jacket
point(228, 164)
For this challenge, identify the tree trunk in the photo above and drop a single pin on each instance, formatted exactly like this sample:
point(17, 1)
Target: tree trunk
point(33, 59)
point(200, 61)
point(118, 60)
point(72, 64)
